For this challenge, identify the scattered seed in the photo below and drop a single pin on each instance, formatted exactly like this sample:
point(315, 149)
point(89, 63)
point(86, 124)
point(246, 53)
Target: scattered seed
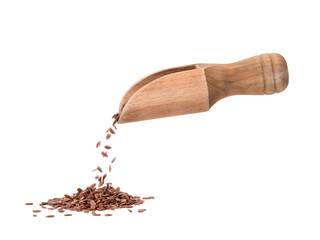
point(98, 144)
point(68, 214)
point(50, 216)
point(129, 210)
point(108, 136)
point(108, 215)
point(29, 203)
point(148, 198)
point(96, 214)
point(36, 211)
point(35, 215)
point(51, 208)
point(99, 169)
point(96, 177)
point(110, 167)
point(113, 160)
point(107, 147)
point(141, 210)
point(104, 154)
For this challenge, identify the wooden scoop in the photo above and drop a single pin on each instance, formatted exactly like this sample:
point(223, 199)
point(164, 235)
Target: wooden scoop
point(195, 88)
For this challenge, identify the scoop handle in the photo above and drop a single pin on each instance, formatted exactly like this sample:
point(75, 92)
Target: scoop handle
point(263, 74)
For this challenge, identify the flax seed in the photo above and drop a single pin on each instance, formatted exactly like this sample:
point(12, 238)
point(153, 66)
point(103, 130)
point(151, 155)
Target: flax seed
point(108, 136)
point(107, 147)
point(113, 160)
point(98, 144)
point(36, 211)
point(148, 198)
point(29, 203)
point(50, 216)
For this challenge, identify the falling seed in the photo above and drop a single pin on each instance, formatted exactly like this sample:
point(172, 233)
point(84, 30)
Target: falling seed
point(141, 210)
point(35, 215)
point(50, 216)
point(110, 167)
point(111, 130)
point(68, 214)
point(113, 160)
point(108, 136)
point(104, 154)
point(98, 144)
point(99, 169)
point(36, 211)
point(107, 147)
point(129, 210)
point(96, 177)
point(108, 215)
point(29, 203)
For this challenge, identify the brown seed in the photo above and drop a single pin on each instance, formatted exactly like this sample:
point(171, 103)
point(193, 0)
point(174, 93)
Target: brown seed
point(111, 130)
point(108, 136)
point(99, 169)
point(44, 207)
point(60, 211)
point(107, 147)
point(86, 211)
point(110, 167)
point(104, 154)
point(113, 160)
point(141, 210)
point(29, 203)
point(96, 214)
point(68, 214)
point(108, 214)
point(129, 210)
point(148, 198)
point(36, 211)
point(115, 115)
point(35, 215)
point(50, 216)
point(96, 177)
point(51, 208)
point(98, 144)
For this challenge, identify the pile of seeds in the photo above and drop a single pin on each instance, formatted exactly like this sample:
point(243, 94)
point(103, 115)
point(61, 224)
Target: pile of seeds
point(94, 199)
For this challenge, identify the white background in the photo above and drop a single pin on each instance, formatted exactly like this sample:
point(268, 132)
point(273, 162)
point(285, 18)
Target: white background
point(247, 169)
